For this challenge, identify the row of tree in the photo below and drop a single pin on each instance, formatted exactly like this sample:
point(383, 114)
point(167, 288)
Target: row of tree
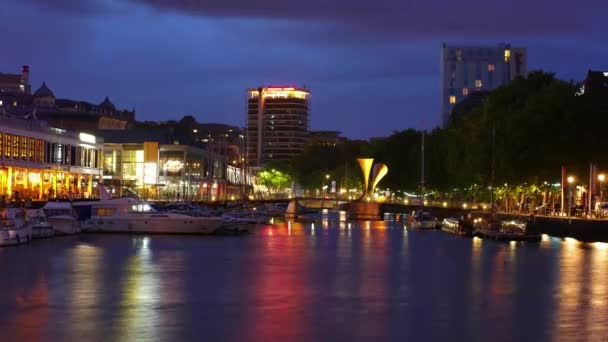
point(528, 130)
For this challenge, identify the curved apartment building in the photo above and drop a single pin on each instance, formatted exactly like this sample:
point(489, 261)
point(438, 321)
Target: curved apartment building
point(277, 123)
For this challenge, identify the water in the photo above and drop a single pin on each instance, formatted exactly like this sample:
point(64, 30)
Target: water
point(333, 282)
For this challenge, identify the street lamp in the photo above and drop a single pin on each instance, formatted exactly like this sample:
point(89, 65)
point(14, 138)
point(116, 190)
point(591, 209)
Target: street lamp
point(601, 177)
point(570, 180)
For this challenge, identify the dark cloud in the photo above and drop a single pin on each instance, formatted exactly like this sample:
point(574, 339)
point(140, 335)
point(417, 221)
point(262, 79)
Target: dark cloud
point(74, 6)
point(406, 18)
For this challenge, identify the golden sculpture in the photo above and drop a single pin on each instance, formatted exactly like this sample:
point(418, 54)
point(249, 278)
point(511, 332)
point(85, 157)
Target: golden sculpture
point(366, 167)
point(379, 171)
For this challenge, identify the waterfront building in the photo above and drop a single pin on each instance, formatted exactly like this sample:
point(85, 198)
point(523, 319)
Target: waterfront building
point(162, 170)
point(39, 162)
point(61, 113)
point(16, 83)
point(277, 123)
point(468, 69)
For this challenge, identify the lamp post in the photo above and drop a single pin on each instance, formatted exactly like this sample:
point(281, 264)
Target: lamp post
point(601, 177)
point(570, 180)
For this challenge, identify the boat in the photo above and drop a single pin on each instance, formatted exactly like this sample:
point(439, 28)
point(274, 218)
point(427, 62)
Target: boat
point(422, 220)
point(61, 216)
point(14, 228)
point(237, 225)
point(503, 230)
point(41, 228)
point(129, 215)
point(455, 226)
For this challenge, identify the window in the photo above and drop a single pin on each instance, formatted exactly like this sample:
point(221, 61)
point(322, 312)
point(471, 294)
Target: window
point(16, 146)
point(452, 99)
point(507, 55)
point(31, 148)
point(105, 211)
point(491, 67)
point(465, 91)
point(24, 147)
point(478, 84)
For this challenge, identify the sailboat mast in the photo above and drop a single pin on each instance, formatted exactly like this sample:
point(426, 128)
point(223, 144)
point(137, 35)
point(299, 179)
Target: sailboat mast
point(492, 206)
point(422, 170)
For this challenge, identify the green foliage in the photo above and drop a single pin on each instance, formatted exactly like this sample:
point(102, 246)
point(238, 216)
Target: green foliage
point(274, 179)
point(539, 126)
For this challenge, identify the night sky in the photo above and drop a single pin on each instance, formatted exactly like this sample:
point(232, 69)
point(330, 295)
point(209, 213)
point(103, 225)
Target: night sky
point(372, 66)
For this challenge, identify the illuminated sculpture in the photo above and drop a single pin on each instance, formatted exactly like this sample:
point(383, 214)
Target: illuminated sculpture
point(379, 171)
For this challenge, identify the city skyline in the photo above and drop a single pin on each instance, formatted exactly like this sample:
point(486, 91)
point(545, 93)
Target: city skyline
point(205, 57)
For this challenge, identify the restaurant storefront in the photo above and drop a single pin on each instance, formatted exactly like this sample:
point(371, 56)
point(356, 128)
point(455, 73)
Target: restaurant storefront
point(38, 162)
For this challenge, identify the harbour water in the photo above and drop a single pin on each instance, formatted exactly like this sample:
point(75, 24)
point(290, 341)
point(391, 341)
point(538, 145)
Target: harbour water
point(327, 281)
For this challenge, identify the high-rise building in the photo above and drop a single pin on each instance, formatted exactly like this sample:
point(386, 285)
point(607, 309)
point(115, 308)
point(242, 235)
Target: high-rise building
point(468, 69)
point(277, 123)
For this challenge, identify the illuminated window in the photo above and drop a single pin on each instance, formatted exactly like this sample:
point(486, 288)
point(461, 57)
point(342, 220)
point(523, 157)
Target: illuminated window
point(507, 55)
point(7, 145)
point(24, 148)
point(452, 99)
point(16, 146)
point(477, 83)
point(491, 67)
point(465, 91)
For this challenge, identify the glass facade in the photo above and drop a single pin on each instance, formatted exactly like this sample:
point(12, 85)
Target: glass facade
point(180, 173)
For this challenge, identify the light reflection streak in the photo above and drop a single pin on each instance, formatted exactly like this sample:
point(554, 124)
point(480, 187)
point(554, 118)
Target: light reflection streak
point(85, 289)
point(139, 314)
point(567, 321)
point(596, 315)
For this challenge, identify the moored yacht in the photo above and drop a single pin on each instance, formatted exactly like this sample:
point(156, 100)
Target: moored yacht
point(505, 230)
point(455, 226)
point(61, 216)
point(40, 227)
point(128, 215)
point(14, 229)
point(422, 220)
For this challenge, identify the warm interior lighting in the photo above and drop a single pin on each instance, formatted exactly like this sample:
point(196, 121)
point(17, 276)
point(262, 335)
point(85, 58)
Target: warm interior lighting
point(87, 138)
point(452, 99)
point(280, 92)
point(507, 55)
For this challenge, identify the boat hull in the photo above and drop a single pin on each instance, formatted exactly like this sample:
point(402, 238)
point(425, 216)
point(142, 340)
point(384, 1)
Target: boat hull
point(144, 225)
point(502, 236)
point(15, 236)
point(42, 231)
point(64, 225)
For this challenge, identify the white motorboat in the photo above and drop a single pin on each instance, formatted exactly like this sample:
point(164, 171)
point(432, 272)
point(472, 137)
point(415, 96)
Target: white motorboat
point(61, 216)
point(128, 215)
point(14, 229)
point(41, 228)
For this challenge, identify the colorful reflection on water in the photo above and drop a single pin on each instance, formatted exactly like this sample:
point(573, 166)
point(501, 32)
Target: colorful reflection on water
point(304, 281)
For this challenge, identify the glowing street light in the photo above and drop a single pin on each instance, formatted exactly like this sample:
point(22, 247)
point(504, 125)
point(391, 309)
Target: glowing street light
point(570, 180)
